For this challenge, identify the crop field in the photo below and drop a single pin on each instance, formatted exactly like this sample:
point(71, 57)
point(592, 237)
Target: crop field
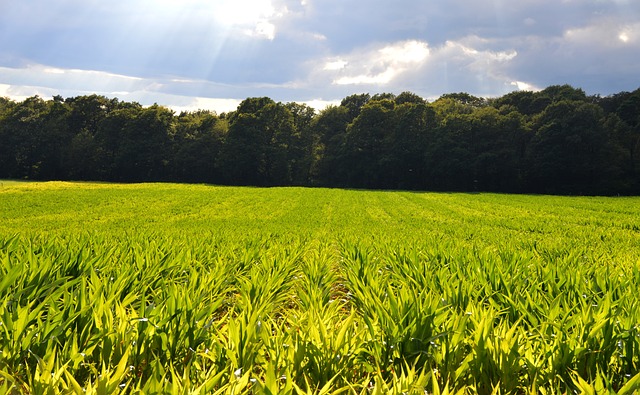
point(190, 289)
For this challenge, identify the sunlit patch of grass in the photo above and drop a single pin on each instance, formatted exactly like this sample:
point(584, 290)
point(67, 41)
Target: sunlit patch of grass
point(161, 288)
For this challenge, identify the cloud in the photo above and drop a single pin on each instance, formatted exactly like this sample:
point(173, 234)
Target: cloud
point(303, 50)
point(180, 94)
point(464, 65)
point(337, 64)
point(378, 66)
point(71, 79)
point(185, 103)
point(601, 57)
point(320, 104)
point(47, 81)
point(487, 47)
point(263, 29)
point(607, 34)
point(192, 38)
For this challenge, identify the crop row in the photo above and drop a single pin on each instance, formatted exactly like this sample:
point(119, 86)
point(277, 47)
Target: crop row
point(155, 314)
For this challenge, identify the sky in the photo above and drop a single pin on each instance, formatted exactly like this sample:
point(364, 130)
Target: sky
point(211, 54)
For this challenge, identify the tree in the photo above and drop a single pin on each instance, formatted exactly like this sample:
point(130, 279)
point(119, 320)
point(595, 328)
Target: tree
point(466, 99)
point(86, 114)
point(34, 137)
point(197, 144)
point(449, 154)
point(256, 150)
point(569, 151)
point(497, 142)
point(557, 140)
point(133, 143)
point(145, 150)
point(625, 124)
point(409, 97)
point(403, 164)
point(383, 96)
point(283, 149)
point(354, 104)
point(329, 128)
point(242, 158)
point(6, 106)
point(108, 140)
point(365, 145)
point(525, 102)
point(565, 92)
point(304, 148)
point(6, 156)
point(88, 111)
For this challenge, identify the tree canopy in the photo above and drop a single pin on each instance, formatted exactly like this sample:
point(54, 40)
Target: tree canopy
point(558, 140)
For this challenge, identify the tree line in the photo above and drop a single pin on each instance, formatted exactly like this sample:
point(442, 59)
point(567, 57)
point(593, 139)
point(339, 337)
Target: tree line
point(558, 141)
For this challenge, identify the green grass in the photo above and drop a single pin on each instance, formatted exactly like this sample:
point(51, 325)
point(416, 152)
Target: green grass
point(10, 183)
point(164, 288)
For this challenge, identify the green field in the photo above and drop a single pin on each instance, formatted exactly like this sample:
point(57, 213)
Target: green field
point(164, 288)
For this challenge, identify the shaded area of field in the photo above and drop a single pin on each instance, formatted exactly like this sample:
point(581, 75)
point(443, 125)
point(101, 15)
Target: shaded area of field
point(162, 287)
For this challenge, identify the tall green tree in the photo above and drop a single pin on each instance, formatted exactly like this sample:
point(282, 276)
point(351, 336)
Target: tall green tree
point(133, 143)
point(409, 97)
point(145, 148)
point(354, 104)
point(570, 150)
point(283, 151)
point(34, 137)
point(87, 113)
point(449, 157)
point(256, 150)
point(367, 149)
point(497, 144)
point(110, 140)
point(403, 162)
point(625, 125)
point(465, 99)
point(197, 144)
point(527, 103)
point(329, 128)
point(305, 144)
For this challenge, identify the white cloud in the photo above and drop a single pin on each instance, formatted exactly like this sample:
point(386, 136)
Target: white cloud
point(335, 64)
point(175, 102)
point(320, 104)
point(470, 55)
point(604, 33)
point(262, 29)
point(469, 64)
point(406, 53)
point(380, 65)
point(49, 77)
point(253, 18)
point(53, 70)
point(242, 12)
point(524, 86)
point(46, 81)
point(19, 93)
point(630, 34)
point(378, 79)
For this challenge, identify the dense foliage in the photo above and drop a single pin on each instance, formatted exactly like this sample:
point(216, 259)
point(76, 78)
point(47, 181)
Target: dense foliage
point(558, 141)
point(191, 289)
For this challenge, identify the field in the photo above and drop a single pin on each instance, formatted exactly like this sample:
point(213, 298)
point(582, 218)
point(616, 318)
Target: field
point(164, 288)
